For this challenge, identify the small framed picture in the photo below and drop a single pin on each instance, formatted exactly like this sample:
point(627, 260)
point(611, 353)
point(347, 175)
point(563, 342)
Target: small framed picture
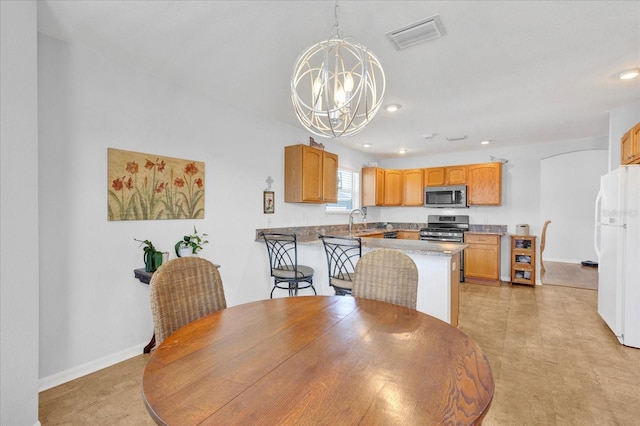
point(269, 202)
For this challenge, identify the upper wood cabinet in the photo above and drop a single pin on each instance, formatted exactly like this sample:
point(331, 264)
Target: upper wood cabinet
point(450, 175)
point(310, 175)
point(413, 187)
point(382, 187)
point(455, 175)
point(434, 176)
point(372, 191)
point(393, 187)
point(484, 184)
point(630, 146)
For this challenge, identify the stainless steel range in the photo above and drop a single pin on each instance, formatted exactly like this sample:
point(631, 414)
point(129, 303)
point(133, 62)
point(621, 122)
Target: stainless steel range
point(447, 228)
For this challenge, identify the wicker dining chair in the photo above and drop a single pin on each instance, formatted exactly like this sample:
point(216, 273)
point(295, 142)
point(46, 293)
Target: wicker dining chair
point(387, 275)
point(287, 273)
point(342, 255)
point(183, 290)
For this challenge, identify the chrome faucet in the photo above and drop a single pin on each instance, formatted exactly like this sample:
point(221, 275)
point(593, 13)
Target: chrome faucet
point(363, 212)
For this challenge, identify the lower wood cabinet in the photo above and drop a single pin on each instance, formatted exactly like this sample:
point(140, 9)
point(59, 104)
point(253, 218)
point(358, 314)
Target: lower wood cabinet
point(482, 258)
point(408, 235)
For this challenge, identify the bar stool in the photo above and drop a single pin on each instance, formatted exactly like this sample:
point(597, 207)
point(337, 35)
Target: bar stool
point(342, 255)
point(283, 264)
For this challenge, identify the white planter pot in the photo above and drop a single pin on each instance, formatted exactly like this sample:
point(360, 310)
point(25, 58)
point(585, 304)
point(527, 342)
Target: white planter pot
point(185, 252)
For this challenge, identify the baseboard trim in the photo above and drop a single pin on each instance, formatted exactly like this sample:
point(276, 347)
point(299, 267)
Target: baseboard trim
point(562, 260)
point(91, 367)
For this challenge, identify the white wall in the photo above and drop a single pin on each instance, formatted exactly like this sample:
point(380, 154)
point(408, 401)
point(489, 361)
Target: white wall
point(569, 184)
point(18, 214)
point(93, 312)
point(520, 187)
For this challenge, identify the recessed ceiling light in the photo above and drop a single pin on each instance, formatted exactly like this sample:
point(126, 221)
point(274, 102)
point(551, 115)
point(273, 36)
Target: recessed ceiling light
point(393, 107)
point(367, 145)
point(629, 74)
point(403, 151)
point(456, 138)
point(430, 135)
point(485, 142)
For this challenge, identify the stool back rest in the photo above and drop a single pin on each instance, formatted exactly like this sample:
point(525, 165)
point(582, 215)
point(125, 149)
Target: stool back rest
point(343, 254)
point(282, 250)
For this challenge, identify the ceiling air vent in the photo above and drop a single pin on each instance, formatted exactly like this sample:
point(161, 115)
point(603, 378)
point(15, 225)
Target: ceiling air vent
point(456, 138)
point(418, 32)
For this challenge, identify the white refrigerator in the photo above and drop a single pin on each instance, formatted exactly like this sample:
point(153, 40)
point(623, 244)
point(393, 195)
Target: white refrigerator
point(617, 244)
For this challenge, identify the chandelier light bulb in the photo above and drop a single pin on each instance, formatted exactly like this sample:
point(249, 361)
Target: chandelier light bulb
point(340, 97)
point(348, 82)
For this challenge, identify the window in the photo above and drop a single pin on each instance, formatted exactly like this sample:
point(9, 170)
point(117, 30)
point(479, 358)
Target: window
point(348, 192)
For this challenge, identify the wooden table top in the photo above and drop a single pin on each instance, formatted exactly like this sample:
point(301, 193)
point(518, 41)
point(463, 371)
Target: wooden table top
point(317, 360)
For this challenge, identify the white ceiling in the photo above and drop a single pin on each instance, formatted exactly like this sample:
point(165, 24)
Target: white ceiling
point(514, 72)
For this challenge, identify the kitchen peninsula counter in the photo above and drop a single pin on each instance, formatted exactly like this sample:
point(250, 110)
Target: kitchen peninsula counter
point(438, 266)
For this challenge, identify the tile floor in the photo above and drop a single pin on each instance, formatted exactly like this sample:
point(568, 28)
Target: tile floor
point(553, 359)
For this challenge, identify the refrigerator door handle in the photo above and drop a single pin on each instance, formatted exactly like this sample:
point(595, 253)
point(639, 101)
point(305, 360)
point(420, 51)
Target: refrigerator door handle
point(596, 232)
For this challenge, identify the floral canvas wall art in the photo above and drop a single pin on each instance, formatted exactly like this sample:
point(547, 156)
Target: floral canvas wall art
point(151, 187)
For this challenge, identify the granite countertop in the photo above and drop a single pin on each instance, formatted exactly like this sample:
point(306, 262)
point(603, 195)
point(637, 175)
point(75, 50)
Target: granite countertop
point(308, 236)
point(431, 248)
point(310, 233)
point(488, 229)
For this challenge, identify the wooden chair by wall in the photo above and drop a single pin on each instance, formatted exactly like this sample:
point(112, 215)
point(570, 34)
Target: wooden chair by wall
point(542, 243)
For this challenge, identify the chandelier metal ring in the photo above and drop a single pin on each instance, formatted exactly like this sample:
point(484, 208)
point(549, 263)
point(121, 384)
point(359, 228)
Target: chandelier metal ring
point(337, 87)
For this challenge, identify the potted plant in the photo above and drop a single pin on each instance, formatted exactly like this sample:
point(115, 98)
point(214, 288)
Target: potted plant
point(190, 245)
point(152, 257)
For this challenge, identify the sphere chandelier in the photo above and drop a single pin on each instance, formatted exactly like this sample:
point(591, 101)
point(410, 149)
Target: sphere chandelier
point(337, 86)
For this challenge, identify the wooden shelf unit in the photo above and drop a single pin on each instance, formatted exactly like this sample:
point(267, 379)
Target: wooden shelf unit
point(523, 259)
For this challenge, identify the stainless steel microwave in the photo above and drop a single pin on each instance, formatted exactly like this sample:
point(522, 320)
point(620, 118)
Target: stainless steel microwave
point(451, 196)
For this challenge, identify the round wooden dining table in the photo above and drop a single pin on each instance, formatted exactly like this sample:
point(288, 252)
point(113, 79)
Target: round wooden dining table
point(318, 360)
